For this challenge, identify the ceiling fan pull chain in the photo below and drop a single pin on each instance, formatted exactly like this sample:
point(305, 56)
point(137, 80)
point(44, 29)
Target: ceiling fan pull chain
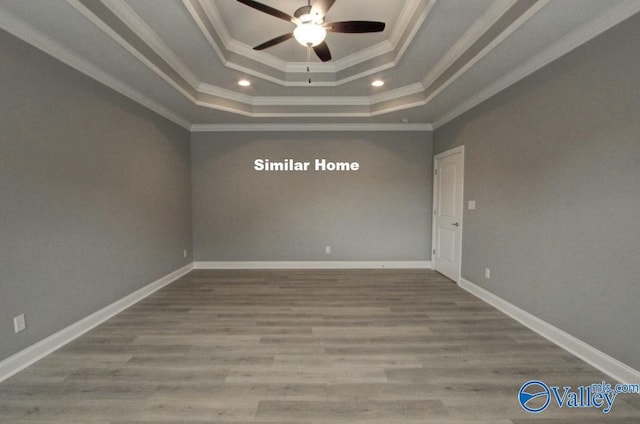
point(309, 61)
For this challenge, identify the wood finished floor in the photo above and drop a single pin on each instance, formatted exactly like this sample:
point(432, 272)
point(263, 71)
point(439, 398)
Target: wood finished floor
point(371, 346)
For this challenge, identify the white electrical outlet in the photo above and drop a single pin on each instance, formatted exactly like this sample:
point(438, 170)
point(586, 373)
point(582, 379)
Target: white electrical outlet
point(19, 323)
point(184, 253)
point(487, 273)
point(327, 250)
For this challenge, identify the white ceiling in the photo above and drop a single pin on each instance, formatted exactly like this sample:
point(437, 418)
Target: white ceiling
point(183, 58)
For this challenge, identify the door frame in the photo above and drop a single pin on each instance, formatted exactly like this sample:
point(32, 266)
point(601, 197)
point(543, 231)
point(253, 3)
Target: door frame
point(455, 150)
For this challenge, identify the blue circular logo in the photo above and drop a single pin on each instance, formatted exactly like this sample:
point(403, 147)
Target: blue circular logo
point(534, 396)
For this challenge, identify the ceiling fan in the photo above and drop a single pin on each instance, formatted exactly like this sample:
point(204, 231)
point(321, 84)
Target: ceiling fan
point(311, 28)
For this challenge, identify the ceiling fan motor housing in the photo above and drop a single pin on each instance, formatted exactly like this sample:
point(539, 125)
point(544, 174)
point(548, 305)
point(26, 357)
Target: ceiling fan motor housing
point(306, 15)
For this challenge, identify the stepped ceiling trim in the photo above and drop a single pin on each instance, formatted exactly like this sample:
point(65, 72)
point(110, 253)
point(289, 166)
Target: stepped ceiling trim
point(120, 22)
point(498, 24)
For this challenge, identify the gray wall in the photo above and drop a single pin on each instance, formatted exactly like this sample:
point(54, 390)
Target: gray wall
point(554, 166)
point(379, 213)
point(95, 195)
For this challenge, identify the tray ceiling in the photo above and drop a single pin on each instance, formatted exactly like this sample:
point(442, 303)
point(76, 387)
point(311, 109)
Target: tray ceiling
point(184, 58)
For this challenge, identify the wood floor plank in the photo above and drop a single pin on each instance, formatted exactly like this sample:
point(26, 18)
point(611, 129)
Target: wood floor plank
point(303, 347)
point(408, 411)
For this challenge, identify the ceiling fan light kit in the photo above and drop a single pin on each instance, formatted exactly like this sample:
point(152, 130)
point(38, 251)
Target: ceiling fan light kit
point(311, 29)
point(309, 34)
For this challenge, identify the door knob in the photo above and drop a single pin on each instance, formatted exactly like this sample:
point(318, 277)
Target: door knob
point(456, 224)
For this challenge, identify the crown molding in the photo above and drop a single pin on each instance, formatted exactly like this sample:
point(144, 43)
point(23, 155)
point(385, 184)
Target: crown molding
point(521, 20)
point(405, 24)
point(495, 11)
point(301, 67)
point(363, 56)
point(293, 111)
point(406, 17)
point(221, 97)
point(568, 43)
point(398, 108)
point(486, 23)
point(308, 127)
point(235, 46)
point(397, 93)
point(410, 96)
point(216, 20)
point(44, 43)
point(311, 101)
point(203, 29)
point(408, 13)
point(32, 36)
point(214, 90)
point(99, 23)
point(127, 15)
point(388, 96)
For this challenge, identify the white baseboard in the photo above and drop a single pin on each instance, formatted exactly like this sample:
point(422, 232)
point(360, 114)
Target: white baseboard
point(34, 353)
point(594, 357)
point(314, 265)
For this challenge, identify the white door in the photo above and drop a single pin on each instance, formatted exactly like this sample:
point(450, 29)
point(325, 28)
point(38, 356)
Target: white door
point(447, 212)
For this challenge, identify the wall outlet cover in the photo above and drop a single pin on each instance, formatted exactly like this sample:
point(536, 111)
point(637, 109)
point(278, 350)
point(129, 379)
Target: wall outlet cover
point(19, 323)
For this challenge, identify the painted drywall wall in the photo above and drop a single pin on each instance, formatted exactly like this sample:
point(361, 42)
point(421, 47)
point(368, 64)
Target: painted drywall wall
point(379, 213)
point(95, 195)
point(553, 164)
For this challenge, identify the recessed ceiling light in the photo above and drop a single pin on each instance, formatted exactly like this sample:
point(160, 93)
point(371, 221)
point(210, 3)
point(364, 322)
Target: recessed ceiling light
point(244, 83)
point(377, 83)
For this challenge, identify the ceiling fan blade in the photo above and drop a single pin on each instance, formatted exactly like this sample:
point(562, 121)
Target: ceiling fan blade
point(355, 26)
point(322, 6)
point(322, 51)
point(274, 41)
point(268, 10)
